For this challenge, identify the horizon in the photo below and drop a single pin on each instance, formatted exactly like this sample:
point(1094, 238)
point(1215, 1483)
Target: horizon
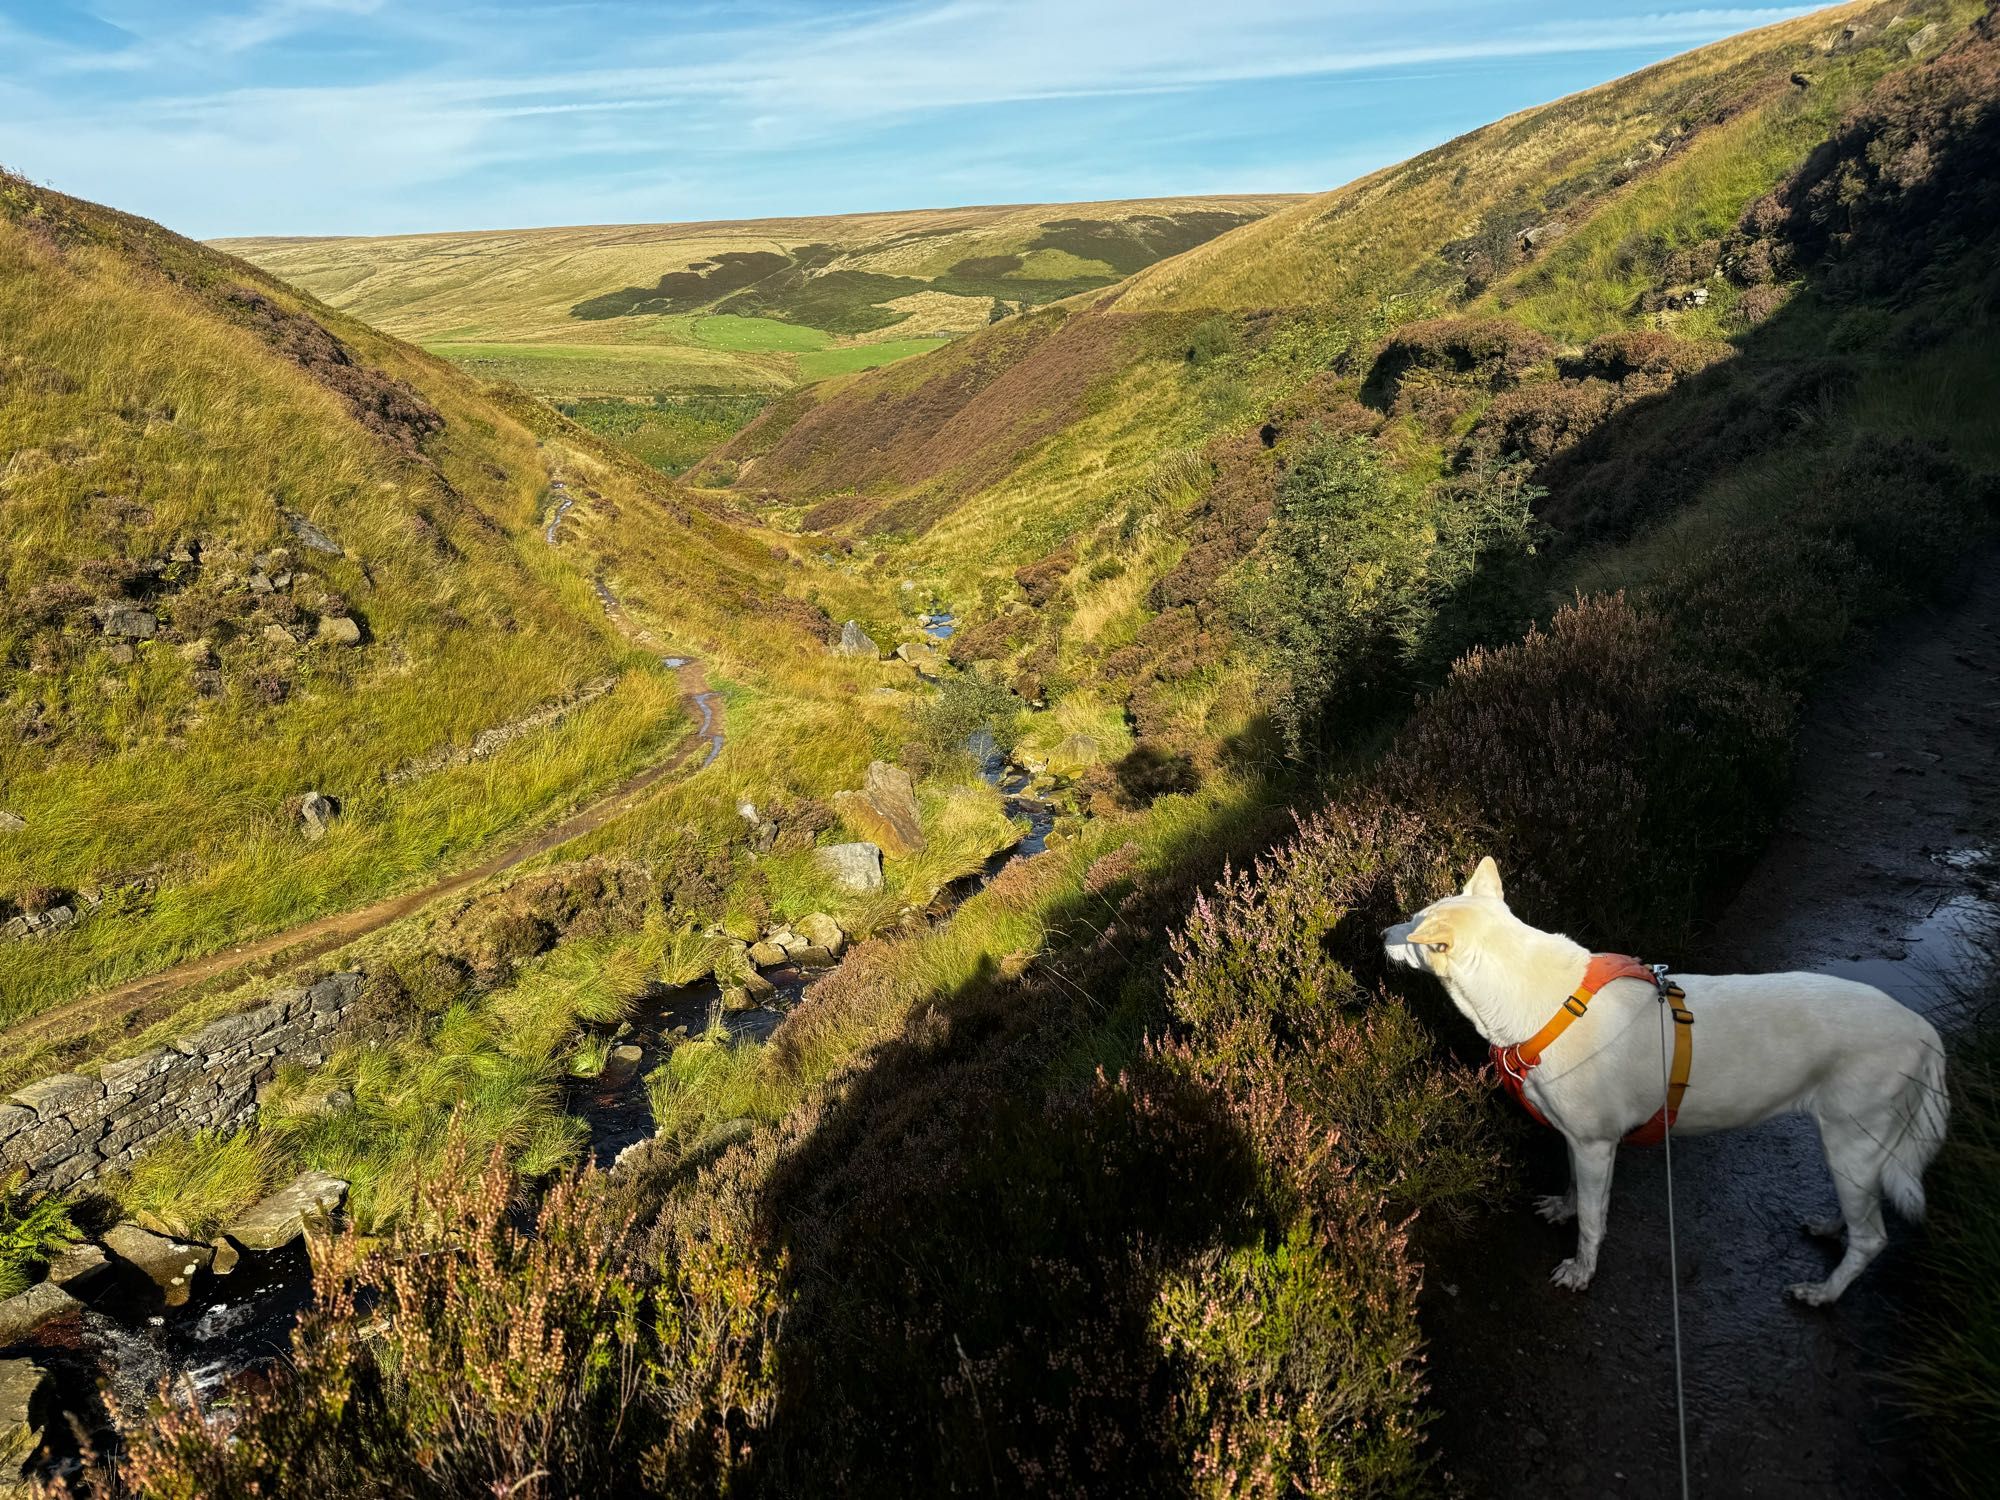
point(311, 119)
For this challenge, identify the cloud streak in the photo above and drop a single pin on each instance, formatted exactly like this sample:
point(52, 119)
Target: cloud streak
point(369, 114)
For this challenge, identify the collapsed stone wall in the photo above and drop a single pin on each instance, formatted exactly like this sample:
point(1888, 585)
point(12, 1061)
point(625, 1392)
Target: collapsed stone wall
point(68, 1128)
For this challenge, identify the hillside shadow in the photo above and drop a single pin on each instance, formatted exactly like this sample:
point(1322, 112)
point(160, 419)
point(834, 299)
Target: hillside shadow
point(977, 1225)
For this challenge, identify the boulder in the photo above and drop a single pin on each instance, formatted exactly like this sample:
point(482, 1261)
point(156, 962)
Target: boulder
point(172, 1264)
point(855, 867)
point(277, 635)
point(758, 988)
point(814, 958)
point(78, 1265)
point(1074, 753)
point(338, 630)
point(854, 641)
point(9, 822)
point(127, 621)
point(227, 1257)
point(22, 1314)
point(766, 954)
point(885, 809)
point(317, 811)
point(24, 1413)
point(282, 1217)
point(821, 931)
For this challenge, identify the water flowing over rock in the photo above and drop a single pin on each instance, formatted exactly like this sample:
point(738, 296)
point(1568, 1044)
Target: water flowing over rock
point(885, 809)
point(857, 867)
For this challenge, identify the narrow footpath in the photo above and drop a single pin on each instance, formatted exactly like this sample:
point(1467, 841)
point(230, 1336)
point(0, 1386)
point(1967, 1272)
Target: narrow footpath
point(1880, 871)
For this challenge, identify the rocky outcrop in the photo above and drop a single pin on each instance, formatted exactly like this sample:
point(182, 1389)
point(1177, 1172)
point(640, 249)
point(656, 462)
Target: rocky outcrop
point(885, 810)
point(854, 641)
point(281, 1218)
point(68, 1128)
point(127, 621)
point(1074, 753)
point(855, 867)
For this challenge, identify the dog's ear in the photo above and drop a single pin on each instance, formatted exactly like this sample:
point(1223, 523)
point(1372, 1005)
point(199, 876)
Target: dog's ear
point(1485, 880)
point(1433, 932)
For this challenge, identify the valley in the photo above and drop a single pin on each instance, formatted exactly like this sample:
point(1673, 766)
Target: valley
point(798, 812)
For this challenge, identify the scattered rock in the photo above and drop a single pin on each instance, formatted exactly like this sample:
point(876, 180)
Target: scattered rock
point(854, 641)
point(282, 1217)
point(312, 536)
point(277, 635)
point(758, 988)
point(317, 811)
point(11, 821)
point(885, 809)
point(127, 621)
point(22, 1314)
point(338, 630)
point(620, 1065)
point(24, 1413)
point(821, 931)
point(227, 1257)
point(766, 954)
point(172, 1264)
point(747, 811)
point(856, 867)
point(1542, 235)
point(1920, 43)
point(814, 958)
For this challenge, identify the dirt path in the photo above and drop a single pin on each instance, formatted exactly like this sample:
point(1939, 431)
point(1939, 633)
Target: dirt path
point(1546, 1393)
point(140, 1002)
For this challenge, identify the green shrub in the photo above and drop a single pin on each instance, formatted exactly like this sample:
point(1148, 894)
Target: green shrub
point(33, 1230)
point(964, 703)
point(1212, 339)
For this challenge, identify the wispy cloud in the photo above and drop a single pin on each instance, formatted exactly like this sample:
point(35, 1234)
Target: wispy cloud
point(368, 114)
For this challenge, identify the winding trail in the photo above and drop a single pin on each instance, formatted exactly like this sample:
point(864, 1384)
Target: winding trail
point(1880, 864)
point(139, 1002)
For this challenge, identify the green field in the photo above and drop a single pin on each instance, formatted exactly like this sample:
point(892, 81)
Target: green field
point(756, 306)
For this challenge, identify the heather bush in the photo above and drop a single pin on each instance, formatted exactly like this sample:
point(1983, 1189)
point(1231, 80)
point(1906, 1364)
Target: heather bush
point(1620, 777)
point(1493, 351)
point(474, 1354)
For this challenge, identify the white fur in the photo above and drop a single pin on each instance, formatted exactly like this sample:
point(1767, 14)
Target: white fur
point(1867, 1070)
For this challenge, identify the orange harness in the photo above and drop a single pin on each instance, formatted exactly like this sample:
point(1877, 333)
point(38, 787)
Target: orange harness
point(1515, 1061)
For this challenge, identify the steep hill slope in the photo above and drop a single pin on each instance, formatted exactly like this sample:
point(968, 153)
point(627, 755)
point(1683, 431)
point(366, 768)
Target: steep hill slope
point(252, 550)
point(753, 306)
point(1124, 452)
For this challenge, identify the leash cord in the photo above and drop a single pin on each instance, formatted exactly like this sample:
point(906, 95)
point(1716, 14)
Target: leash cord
point(1673, 1248)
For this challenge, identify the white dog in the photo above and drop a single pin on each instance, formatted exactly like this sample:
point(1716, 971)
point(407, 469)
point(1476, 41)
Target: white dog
point(1868, 1071)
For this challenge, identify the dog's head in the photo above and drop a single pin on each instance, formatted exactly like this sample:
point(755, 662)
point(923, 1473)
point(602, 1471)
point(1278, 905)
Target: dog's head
point(1430, 938)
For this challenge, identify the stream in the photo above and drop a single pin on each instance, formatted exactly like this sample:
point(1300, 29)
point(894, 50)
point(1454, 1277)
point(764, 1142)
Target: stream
point(114, 1355)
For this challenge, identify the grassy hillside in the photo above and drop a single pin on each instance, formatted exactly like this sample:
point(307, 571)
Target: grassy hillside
point(752, 307)
point(1352, 545)
point(251, 549)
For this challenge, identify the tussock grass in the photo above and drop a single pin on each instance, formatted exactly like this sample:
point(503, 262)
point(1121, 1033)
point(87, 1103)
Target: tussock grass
point(194, 1184)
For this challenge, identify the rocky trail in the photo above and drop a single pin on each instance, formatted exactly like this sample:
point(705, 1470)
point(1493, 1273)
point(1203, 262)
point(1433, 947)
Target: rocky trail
point(1881, 870)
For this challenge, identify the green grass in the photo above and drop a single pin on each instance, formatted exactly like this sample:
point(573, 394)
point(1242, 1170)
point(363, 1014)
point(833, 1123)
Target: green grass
point(192, 1185)
point(822, 363)
point(32, 1232)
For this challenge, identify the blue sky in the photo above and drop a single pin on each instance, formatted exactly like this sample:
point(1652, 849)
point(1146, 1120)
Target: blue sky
point(377, 116)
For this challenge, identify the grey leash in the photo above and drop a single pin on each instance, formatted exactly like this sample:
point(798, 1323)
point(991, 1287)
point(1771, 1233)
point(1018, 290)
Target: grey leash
point(1673, 1249)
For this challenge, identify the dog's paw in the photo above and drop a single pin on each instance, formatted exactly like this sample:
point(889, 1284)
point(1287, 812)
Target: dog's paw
point(1557, 1208)
point(1831, 1228)
point(1572, 1275)
point(1811, 1293)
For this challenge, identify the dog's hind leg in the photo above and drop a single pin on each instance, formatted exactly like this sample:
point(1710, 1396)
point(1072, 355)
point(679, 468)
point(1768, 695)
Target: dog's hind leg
point(1591, 1162)
point(1855, 1155)
point(1560, 1208)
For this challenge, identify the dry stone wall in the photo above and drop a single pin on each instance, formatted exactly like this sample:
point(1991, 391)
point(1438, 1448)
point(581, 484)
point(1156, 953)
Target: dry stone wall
point(68, 1128)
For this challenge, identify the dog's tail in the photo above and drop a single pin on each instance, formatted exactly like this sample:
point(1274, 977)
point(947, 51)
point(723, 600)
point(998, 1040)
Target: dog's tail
point(1922, 1112)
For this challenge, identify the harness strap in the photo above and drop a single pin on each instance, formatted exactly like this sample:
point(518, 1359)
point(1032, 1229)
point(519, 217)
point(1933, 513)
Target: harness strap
point(1513, 1063)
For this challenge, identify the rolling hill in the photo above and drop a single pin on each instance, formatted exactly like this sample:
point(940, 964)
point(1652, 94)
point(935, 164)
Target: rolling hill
point(747, 307)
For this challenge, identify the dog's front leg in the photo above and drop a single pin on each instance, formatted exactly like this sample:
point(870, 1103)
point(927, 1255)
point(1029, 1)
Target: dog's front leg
point(1591, 1162)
